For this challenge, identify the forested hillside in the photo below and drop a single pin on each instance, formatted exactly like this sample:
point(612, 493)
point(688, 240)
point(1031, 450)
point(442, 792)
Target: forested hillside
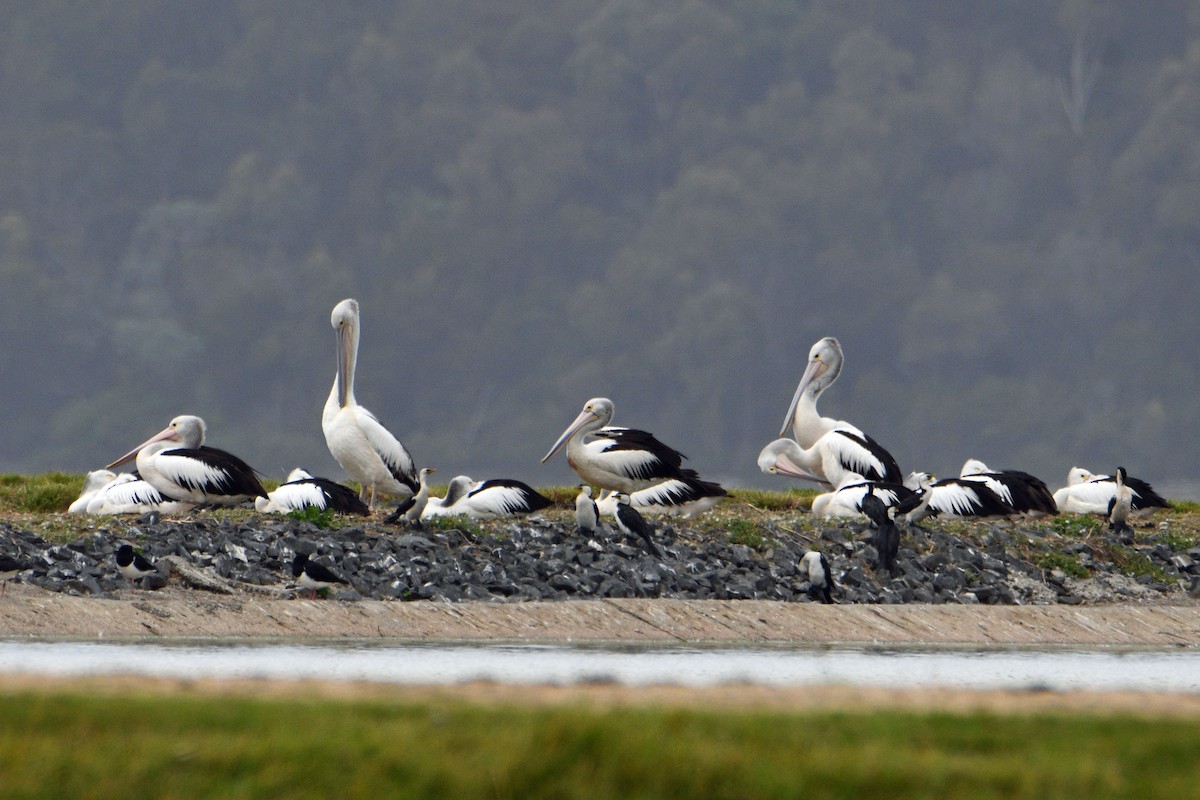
point(995, 207)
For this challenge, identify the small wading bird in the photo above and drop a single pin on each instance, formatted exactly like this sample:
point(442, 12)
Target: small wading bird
point(619, 459)
point(1086, 493)
point(302, 490)
point(133, 565)
point(490, 499)
point(1024, 492)
point(176, 462)
point(1120, 505)
point(632, 523)
point(820, 578)
point(368, 452)
point(409, 511)
point(314, 576)
point(857, 451)
point(9, 569)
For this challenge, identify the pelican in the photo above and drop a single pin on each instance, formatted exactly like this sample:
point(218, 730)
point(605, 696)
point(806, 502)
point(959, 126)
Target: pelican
point(176, 463)
point(820, 578)
point(688, 497)
point(619, 459)
point(808, 426)
point(302, 490)
point(314, 576)
point(954, 497)
point(1119, 506)
point(129, 494)
point(1025, 493)
point(490, 499)
point(1087, 493)
point(409, 511)
point(846, 499)
point(368, 452)
point(133, 565)
point(826, 461)
point(587, 514)
point(632, 523)
point(93, 482)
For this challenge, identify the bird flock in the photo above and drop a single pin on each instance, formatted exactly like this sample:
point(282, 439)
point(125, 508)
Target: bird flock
point(635, 474)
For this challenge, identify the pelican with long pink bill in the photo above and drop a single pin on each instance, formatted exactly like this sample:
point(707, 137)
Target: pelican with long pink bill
point(620, 459)
point(176, 462)
point(369, 453)
point(829, 461)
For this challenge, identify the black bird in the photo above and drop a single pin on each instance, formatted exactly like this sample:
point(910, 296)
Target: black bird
point(820, 579)
point(314, 576)
point(9, 569)
point(587, 514)
point(887, 537)
point(633, 523)
point(133, 565)
point(1120, 505)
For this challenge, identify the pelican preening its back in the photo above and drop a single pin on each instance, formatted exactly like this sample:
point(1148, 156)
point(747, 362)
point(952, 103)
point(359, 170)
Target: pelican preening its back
point(177, 463)
point(619, 459)
point(368, 452)
point(829, 461)
point(846, 500)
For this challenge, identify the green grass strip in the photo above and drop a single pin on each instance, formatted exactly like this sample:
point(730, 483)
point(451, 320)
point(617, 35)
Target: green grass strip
point(67, 744)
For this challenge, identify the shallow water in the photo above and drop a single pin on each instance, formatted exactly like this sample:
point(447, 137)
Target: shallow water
point(1142, 670)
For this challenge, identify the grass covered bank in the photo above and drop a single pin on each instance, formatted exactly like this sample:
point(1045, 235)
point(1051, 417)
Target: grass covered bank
point(71, 742)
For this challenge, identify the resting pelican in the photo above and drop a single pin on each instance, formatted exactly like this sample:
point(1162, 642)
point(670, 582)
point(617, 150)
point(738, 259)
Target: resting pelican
point(952, 497)
point(688, 497)
point(302, 490)
point(1086, 493)
point(490, 499)
point(827, 461)
point(619, 459)
point(129, 494)
point(846, 500)
point(808, 426)
point(93, 482)
point(368, 452)
point(1025, 493)
point(176, 463)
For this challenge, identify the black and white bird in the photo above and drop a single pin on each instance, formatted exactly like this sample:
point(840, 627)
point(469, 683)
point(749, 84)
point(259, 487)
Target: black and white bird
point(846, 499)
point(1120, 505)
point(128, 493)
point(954, 497)
point(687, 497)
point(1088, 493)
point(302, 490)
point(9, 569)
point(886, 537)
point(828, 461)
point(176, 462)
point(820, 578)
point(367, 450)
point(632, 523)
point(1026, 493)
point(313, 575)
point(409, 511)
point(587, 514)
point(132, 564)
point(618, 459)
point(490, 499)
point(858, 451)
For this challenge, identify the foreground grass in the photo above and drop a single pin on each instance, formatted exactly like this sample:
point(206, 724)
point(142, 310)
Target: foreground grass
point(62, 744)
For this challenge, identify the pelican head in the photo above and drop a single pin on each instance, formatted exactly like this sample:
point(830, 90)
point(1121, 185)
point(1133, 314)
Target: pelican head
point(185, 431)
point(973, 466)
point(824, 365)
point(456, 490)
point(782, 457)
point(919, 481)
point(596, 413)
point(344, 320)
point(1078, 475)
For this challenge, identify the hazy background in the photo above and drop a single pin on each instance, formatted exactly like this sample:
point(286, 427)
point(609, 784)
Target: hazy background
point(995, 207)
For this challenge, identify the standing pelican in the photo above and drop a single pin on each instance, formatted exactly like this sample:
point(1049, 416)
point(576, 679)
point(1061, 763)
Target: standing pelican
point(620, 459)
point(176, 463)
point(368, 452)
point(857, 450)
point(1024, 492)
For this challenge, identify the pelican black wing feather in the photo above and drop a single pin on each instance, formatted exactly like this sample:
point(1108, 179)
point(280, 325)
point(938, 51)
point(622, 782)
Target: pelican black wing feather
point(891, 470)
point(667, 461)
point(239, 477)
point(530, 498)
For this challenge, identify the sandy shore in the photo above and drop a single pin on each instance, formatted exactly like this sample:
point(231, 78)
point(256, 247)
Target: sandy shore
point(28, 611)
